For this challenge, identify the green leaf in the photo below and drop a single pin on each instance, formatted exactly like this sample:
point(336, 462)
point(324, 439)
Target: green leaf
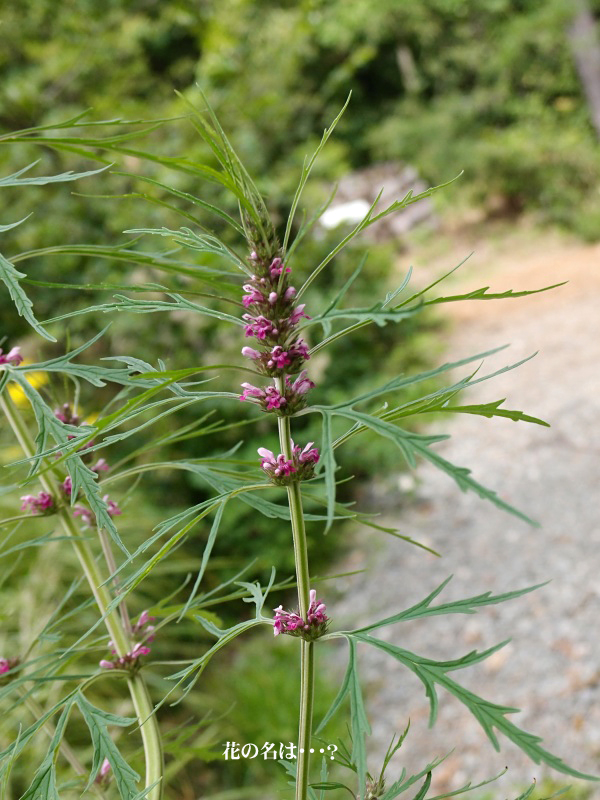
point(12, 225)
point(43, 784)
point(469, 605)
point(124, 253)
point(190, 198)
point(369, 219)
point(424, 789)
point(204, 243)
point(329, 467)
point(359, 723)
point(16, 180)
point(413, 445)
point(490, 716)
point(98, 721)
point(484, 294)
point(306, 170)
point(493, 410)
point(124, 303)
point(206, 555)
point(10, 277)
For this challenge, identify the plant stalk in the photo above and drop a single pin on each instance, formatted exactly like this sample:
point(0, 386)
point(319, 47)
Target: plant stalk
point(303, 583)
point(119, 635)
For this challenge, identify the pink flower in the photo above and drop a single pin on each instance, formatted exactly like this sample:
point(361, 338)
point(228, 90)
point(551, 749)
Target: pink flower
point(280, 358)
point(100, 466)
point(306, 456)
point(13, 357)
point(113, 508)
point(4, 666)
point(66, 415)
point(42, 503)
point(251, 391)
point(277, 466)
point(143, 627)
point(286, 621)
point(273, 398)
point(67, 486)
point(297, 314)
point(253, 296)
point(249, 352)
point(276, 268)
point(301, 385)
point(279, 469)
point(260, 326)
point(103, 775)
point(86, 515)
point(105, 767)
point(129, 660)
point(299, 350)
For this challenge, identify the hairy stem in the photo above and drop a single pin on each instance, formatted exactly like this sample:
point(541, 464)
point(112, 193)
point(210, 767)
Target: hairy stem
point(303, 582)
point(119, 635)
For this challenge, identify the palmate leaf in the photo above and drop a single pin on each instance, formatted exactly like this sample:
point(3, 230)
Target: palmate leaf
point(11, 277)
point(491, 716)
point(98, 721)
point(414, 445)
point(43, 784)
point(12, 751)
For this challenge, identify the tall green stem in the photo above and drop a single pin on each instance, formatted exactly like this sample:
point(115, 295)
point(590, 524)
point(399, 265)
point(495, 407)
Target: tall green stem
point(307, 648)
point(120, 636)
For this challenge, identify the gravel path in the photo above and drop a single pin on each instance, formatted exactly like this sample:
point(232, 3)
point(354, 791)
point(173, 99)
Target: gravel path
point(551, 668)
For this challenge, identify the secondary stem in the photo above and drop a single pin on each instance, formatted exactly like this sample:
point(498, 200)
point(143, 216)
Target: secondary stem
point(303, 583)
point(119, 635)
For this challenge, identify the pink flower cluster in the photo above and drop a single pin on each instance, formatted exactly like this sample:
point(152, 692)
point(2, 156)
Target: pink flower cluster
point(270, 399)
point(292, 623)
point(145, 631)
point(273, 319)
point(280, 470)
point(42, 503)
point(13, 357)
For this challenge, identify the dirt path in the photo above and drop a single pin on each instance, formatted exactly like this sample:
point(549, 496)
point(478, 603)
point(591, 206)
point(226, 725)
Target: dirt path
point(551, 669)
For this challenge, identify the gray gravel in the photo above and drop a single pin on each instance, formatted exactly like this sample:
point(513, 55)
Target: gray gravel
point(551, 668)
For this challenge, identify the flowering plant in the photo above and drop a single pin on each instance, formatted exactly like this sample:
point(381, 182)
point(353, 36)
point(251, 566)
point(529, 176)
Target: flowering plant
point(62, 456)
